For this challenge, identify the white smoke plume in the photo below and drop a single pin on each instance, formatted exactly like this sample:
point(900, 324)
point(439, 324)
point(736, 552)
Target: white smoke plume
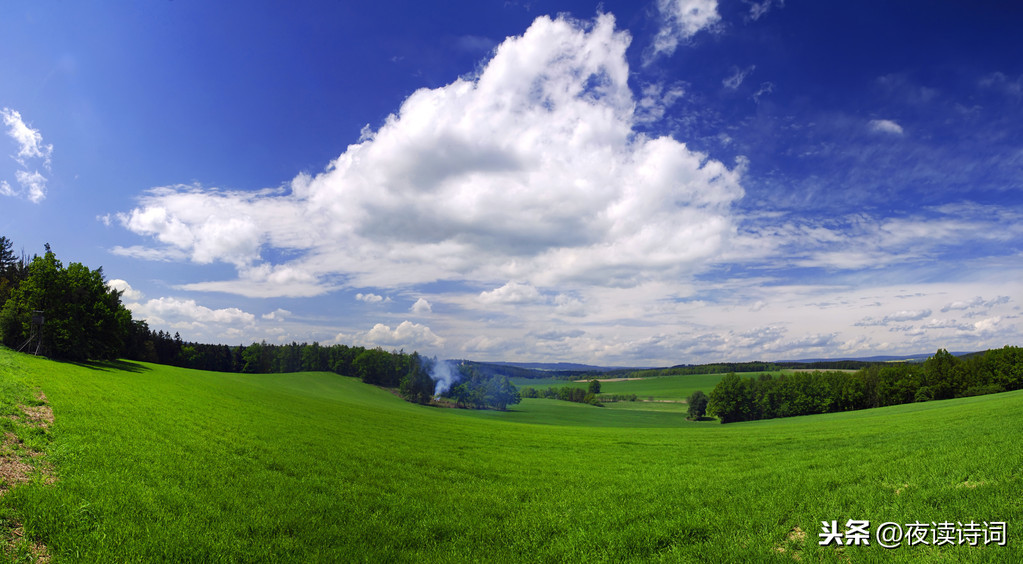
point(444, 374)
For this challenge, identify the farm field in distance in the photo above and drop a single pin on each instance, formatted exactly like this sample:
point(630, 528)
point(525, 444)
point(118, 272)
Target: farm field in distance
point(161, 463)
point(655, 394)
point(674, 387)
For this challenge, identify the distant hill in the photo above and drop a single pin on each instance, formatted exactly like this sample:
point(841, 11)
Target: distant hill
point(577, 370)
point(880, 358)
point(565, 366)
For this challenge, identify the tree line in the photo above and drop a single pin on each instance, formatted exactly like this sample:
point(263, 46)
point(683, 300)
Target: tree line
point(570, 393)
point(70, 313)
point(941, 376)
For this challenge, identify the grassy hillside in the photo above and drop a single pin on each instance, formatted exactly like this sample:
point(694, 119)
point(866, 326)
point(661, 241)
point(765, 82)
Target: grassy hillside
point(159, 463)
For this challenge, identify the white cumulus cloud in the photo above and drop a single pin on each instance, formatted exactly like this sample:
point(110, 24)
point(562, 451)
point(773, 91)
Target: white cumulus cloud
point(369, 298)
point(407, 335)
point(179, 313)
point(531, 170)
point(277, 315)
point(421, 306)
point(128, 294)
point(512, 293)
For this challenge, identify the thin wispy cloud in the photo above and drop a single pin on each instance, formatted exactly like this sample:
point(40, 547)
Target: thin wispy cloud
point(30, 141)
point(885, 126)
point(757, 9)
point(680, 21)
point(733, 81)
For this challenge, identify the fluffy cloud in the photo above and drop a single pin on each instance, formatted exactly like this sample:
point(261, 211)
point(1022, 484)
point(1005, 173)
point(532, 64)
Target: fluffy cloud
point(128, 294)
point(885, 126)
point(178, 310)
point(369, 298)
point(30, 147)
point(681, 20)
point(407, 335)
point(180, 313)
point(277, 315)
point(421, 306)
point(513, 293)
point(529, 171)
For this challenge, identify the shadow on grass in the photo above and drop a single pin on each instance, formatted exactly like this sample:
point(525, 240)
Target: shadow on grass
point(111, 365)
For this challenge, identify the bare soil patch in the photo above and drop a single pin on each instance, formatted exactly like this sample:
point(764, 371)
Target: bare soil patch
point(39, 415)
point(971, 485)
point(17, 547)
point(793, 544)
point(20, 464)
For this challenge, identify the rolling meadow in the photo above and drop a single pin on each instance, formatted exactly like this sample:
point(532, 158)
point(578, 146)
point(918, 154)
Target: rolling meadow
point(156, 463)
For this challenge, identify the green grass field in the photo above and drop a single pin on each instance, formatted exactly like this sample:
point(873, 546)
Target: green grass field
point(162, 464)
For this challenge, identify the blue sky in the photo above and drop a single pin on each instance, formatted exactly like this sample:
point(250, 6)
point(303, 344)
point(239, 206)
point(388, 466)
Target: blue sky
point(675, 181)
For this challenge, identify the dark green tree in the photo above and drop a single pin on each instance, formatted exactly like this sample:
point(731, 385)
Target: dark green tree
point(594, 386)
point(311, 358)
point(417, 386)
point(941, 374)
point(731, 399)
point(375, 366)
point(697, 404)
point(251, 356)
point(8, 261)
point(83, 318)
point(500, 393)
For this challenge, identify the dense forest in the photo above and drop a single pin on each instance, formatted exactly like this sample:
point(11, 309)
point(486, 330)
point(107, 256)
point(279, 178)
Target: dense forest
point(942, 376)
